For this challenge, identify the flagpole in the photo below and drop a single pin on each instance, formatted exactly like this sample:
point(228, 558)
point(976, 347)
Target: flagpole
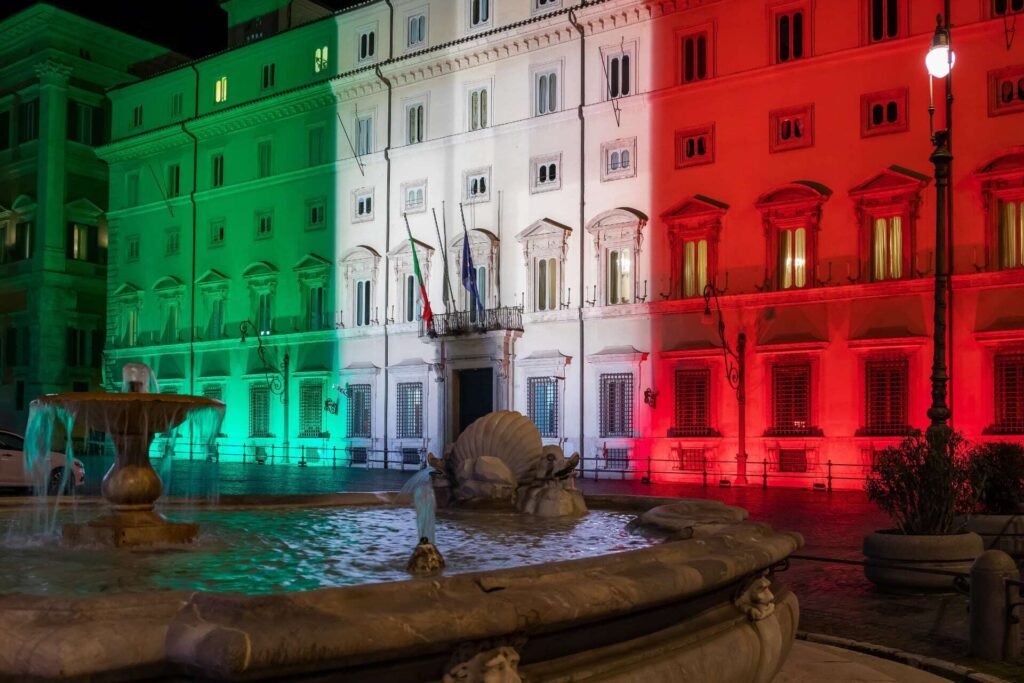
point(446, 289)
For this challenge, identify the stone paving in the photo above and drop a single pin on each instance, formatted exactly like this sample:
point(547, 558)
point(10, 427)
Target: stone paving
point(835, 600)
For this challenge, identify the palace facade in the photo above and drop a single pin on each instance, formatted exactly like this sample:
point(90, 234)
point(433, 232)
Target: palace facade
point(606, 160)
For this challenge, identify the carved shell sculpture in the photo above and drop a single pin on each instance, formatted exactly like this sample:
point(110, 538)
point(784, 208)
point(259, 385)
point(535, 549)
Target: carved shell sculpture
point(510, 436)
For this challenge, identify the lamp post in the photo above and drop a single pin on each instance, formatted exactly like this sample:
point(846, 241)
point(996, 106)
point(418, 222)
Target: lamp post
point(277, 378)
point(939, 62)
point(735, 374)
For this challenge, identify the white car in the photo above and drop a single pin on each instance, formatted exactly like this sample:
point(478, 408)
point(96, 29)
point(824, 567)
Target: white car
point(12, 467)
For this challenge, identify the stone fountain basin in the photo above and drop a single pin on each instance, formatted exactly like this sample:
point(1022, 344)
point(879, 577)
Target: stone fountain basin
point(691, 608)
point(113, 413)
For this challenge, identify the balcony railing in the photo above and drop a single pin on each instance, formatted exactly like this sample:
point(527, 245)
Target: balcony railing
point(464, 322)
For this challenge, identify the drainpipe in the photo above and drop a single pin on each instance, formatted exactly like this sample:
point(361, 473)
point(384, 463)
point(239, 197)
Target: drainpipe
point(192, 280)
point(582, 217)
point(387, 226)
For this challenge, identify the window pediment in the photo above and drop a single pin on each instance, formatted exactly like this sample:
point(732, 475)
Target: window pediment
point(83, 209)
point(893, 183)
point(483, 247)
point(23, 204)
point(545, 232)
point(168, 283)
point(311, 263)
point(212, 278)
point(697, 208)
point(259, 269)
point(360, 260)
point(800, 195)
point(127, 291)
point(618, 226)
point(1004, 172)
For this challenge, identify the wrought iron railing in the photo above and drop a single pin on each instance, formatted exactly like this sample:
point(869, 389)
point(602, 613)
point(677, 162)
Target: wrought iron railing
point(468, 322)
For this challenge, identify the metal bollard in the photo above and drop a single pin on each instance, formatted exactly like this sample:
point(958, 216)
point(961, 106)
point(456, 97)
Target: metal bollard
point(994, 632)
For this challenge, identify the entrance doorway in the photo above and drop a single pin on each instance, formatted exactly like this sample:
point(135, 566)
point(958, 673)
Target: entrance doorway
point(476, 395)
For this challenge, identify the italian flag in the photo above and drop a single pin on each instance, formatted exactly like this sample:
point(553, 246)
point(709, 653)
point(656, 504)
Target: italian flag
point(427, 313)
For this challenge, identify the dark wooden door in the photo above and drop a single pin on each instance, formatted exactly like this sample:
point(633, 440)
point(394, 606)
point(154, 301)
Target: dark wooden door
point(476, 395)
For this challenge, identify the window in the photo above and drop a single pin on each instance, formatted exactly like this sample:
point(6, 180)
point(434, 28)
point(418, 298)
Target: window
point(414, 196)
point(358, 425)
point(545, 5)
point(364, 205)
point(791, 33)
point(173, 241)
point(791, 400)
point(317, 154)
point(887, 248)
point(546, 285)
point(315, 216)
point(311, 411)
point(620, 276)
point(792, 460)
point(479, 13)
point(85, 123)
point(18, 249)
point(1004, 7)
point(367, 44)
point(694, 267)
point(259, 411)
point(131, 326)
point(478, 186)
point(695, 147)
point(545, 173)
point(691, 460)
point(263, 152)
point(478, 108)
point(220, 90)
point(364, 135)
point(316, 308)
point(884, 112)
point(5, 129)
point(542, 404)
point(137, 116)
point(410, 410)
point(1009, 398)
point(883, 20)
point(267, 80)
point(792, 258)
point(177, 104)
point(412, 304)
point(791, 128)
point(11, 357)
point(216, 322)
point(217, 232)
point(481, 290)
point(131, 189)
point(415, 131)
point(616, 458)
point(76, 350)
point(1011, 233)
point(618, 159)
point(84, 245)
point(618, 74)
point(616, 405)
point(411, 456)
point(173, 180)
point(545, 88)
point(28, 120)
point(416, 35)
point(1006, 90)
point(885, 394)
point(264, 224)
point(363, 291)
point(694, 63)
point(170, 332)
point(132, 250)
point(217, 170)
point(692, 415)
point(320, 60)
point(264, 313)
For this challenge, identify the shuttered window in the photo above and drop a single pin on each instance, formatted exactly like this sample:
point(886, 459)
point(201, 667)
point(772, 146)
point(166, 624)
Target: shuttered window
point(616, 404)
point(410, 410)
point(885, 392)
point(791, 400)
point(692, 415)
point(1009, 399)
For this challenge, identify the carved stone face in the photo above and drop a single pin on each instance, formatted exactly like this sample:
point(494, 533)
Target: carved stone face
point(498, 665)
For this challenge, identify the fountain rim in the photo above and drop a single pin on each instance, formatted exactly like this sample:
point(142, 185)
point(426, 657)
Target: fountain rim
point(65, 398)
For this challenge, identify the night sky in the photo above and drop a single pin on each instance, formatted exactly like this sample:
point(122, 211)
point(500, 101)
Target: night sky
point(191, 27)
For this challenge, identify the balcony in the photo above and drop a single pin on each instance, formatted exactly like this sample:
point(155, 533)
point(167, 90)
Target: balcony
point(458, 323)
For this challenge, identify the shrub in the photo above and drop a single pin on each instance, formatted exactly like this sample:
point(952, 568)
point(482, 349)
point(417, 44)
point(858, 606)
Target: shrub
point(996, 472)
point(921, 487)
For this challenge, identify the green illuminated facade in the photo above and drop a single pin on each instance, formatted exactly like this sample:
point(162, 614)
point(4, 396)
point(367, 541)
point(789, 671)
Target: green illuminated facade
point(53, 197)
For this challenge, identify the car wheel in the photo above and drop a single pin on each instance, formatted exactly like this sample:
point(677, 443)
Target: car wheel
point(53, 486)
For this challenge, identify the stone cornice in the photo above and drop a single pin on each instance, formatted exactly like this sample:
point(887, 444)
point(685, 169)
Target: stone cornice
point(144, 145)
point(262, 111)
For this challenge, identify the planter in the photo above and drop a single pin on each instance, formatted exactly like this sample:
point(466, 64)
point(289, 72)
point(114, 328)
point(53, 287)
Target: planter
point(1002, 532)
point(890, 558)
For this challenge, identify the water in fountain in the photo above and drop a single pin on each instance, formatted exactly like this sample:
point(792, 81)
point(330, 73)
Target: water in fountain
point(39, 437)
point(422, 490)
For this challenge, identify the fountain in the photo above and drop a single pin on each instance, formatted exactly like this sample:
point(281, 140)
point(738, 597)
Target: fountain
point(132, 419)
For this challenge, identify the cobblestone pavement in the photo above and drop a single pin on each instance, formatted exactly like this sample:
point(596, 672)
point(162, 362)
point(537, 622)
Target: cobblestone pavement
point(834, 599)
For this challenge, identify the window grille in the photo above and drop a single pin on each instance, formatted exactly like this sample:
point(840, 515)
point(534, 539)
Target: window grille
point(792, 460)
point(410, 410)
point(410, 456)
point(1009, 399)
point(259, 410)
point(542, 404)
point(885, 392)
point(311, 453)
point(359, 411)
point(616, 404)
point(617, 459)
point(791, 400)
point(214, 392)
point(357, 455)
point(693, 403)
point(311, 400)
point(691, 460)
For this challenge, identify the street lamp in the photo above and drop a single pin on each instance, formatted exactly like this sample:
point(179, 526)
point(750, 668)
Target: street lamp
point(277, 378)
point(939, 61)
point(735, 374)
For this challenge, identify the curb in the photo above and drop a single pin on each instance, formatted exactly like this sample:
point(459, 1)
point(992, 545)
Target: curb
point(939, 667)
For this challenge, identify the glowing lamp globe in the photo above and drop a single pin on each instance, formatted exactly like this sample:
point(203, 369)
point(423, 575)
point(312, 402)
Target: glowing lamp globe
point(939, 61)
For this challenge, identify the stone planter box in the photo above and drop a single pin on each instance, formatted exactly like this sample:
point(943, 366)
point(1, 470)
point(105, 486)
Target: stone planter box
point(1000, 532)
point(890, 558)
